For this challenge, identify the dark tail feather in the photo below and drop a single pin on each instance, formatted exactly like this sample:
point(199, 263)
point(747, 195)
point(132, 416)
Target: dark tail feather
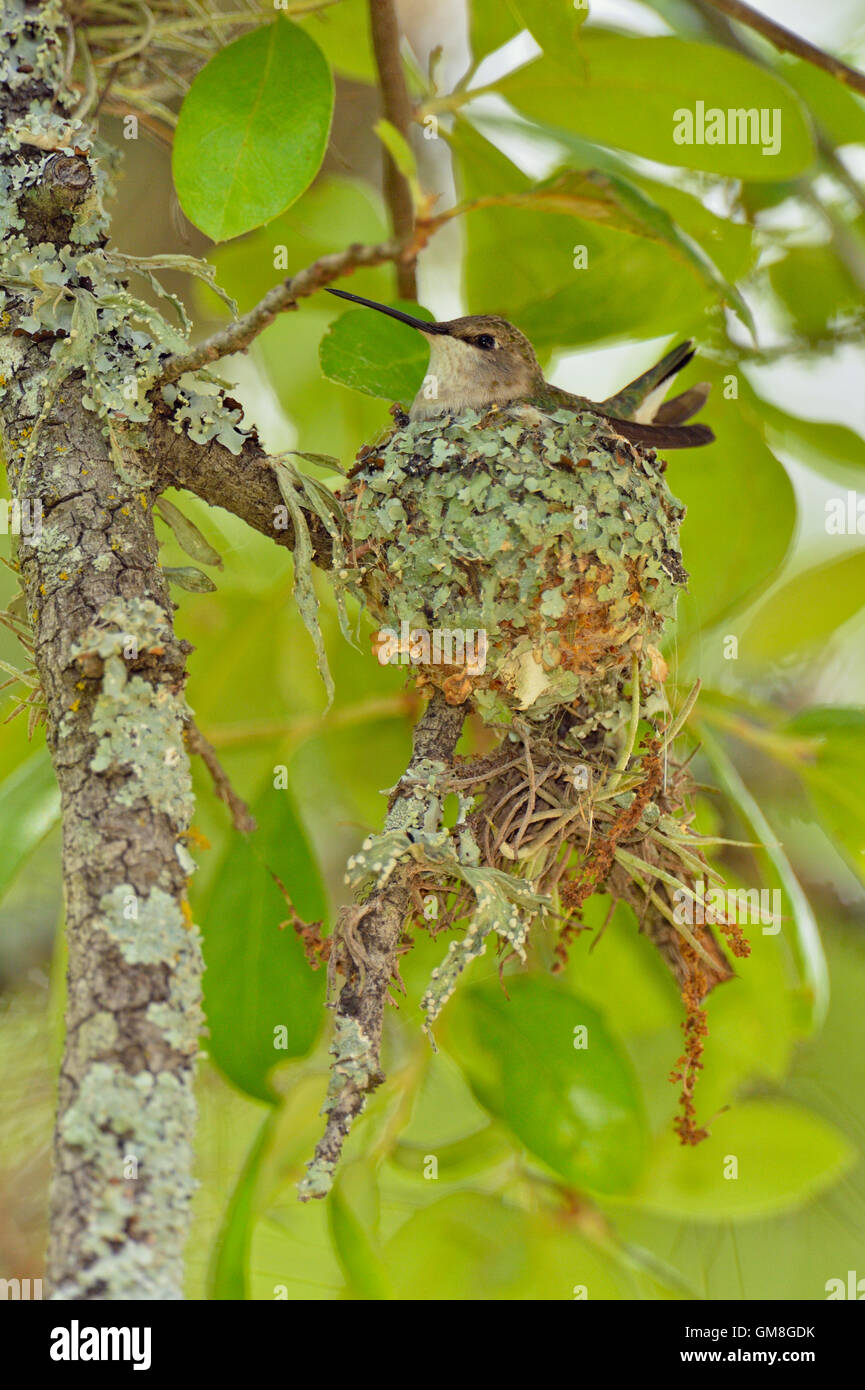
point(662, 436)
point(681, 408)
point(627, 401)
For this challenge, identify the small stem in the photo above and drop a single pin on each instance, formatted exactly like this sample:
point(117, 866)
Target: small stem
point(625, 755)
point(787, 42)
point(397, 108)
point(367, 940)
point(240, 814)
point(791, 752)
point(401, 705)
point(681, 719)
point(238, 336)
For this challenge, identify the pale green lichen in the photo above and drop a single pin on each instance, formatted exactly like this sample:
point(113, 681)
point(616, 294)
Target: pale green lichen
point(123, 626)
point(30, 51)
point(354, 1065)
point(152, 931)
point(140, 729)
point(115, 1118)
point(546, 531)
point(503, 903)
point(139, 726)
point(147, 930)
point(96, 1035)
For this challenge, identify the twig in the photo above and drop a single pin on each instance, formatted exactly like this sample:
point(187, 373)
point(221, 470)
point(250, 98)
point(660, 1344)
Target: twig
point(844, 244)
point(396, 105)
point(240, 814)
point(244, 484)
point(787, 42)
point(238, 336)
point(367, 941)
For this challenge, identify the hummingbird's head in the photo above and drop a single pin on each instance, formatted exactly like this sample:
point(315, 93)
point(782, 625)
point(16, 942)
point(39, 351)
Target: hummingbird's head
point(475, 362)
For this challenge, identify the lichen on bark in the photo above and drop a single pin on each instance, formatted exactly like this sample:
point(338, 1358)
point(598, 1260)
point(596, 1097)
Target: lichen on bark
point(77, 354)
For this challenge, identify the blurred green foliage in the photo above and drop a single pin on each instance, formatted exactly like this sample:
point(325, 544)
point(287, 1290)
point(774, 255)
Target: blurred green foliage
point(513, 1164)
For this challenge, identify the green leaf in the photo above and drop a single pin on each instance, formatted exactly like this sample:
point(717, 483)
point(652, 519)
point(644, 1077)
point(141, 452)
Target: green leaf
point(353, 1215)
point(799, 616)
point(491, 25)
point(229, 1273)
point(816, 288)
point(376, 354)
point(29, 808)
point(257, 980)
point(785, 1157)
point(187, 577)
point(628, 91)
point(402, 155)
point(187, 534)
point(833, 450)
point(576, 1109)
point(470, 1246)
point(521, 261)
point(252, 130)
point(327, 461)
point(730, 564)
point(836, 777)
point(342, 33)
point(554, 24)
point(840, 112)
point(807, 946)
point(285, 1138)
point(655, 221)
point(731, 246)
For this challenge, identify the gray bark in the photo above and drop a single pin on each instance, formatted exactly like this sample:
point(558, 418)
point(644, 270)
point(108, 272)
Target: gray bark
point(113, 673)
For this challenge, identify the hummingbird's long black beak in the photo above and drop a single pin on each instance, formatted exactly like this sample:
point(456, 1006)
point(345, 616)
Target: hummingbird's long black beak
point(392, 313)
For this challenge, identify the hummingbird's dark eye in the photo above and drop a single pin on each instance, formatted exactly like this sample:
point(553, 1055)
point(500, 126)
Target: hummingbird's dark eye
point(485, 341)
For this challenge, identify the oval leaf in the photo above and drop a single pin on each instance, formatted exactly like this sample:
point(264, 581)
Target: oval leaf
point(472, 1246)
point(577, 1108)
point(376, 354)
point(612, 92)
point(257, 979)
point(785, 1156)
point(252, 130)
point(29, 808)
point(186, 533)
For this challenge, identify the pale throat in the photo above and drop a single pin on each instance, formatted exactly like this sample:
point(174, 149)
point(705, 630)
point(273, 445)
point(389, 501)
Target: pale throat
point(462, 377)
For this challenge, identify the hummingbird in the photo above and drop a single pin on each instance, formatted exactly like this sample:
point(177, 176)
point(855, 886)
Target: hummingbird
point(481, 361)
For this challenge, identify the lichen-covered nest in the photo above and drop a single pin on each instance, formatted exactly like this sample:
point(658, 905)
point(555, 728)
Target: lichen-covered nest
point(546, 531)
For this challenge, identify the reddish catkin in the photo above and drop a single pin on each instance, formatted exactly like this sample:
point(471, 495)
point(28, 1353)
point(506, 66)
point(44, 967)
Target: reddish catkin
point(690, 1064)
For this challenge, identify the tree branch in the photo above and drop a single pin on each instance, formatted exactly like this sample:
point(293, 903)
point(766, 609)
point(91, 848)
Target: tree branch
point(238, 336)
point(729, 36)
point(787, 42)
point(397, 108)
point(244, 484)
point(241, 818)
point(366, 944)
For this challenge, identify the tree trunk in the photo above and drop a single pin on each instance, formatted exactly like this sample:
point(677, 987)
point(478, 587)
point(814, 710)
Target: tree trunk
point(113, 673)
